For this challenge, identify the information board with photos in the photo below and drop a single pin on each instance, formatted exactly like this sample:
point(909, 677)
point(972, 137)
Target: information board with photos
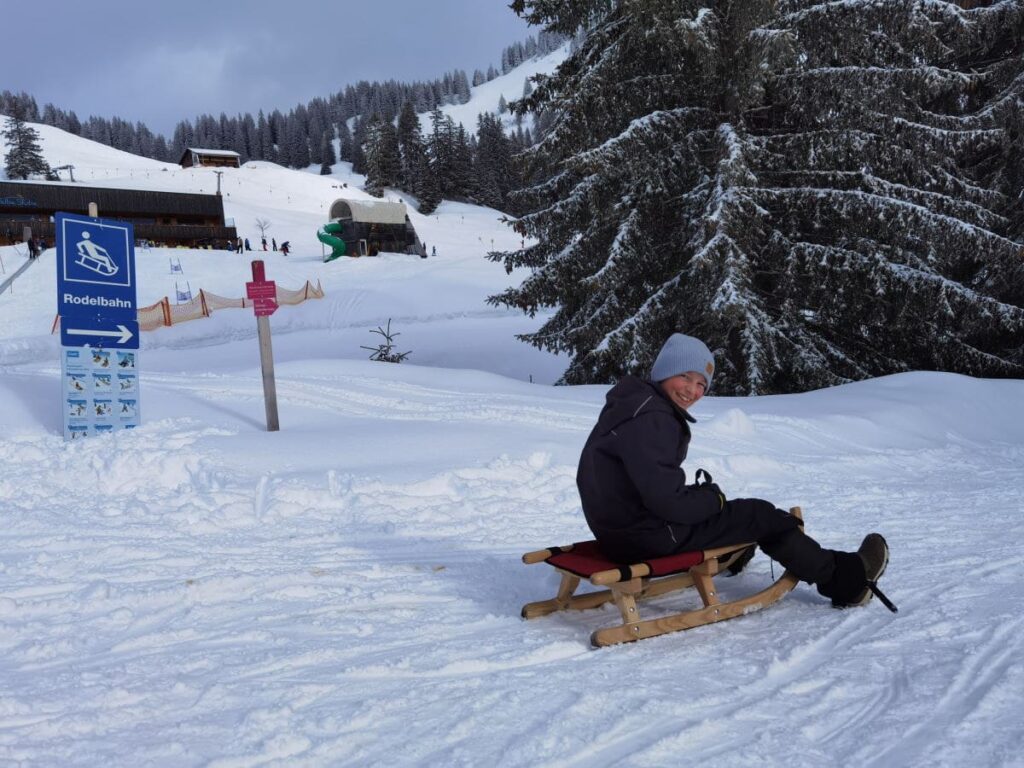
point(100, 390)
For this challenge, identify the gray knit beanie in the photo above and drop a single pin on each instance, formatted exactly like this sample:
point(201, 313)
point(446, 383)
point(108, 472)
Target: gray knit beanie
point(681, 354)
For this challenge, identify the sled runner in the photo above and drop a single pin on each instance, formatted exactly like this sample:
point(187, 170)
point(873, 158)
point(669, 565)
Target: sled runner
point(625, 584)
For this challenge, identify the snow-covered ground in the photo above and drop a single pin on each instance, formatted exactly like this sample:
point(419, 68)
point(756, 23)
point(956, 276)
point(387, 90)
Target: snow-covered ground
point(346, 591)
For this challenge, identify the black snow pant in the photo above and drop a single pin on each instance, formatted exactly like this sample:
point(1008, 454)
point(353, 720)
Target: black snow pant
point(778, 533)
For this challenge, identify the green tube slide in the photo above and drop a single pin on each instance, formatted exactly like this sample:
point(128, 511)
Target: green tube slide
point(327, 234)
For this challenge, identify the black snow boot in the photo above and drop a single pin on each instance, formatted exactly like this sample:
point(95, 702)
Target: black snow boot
point(857, 573)
point(875, 554)
point(848, 582)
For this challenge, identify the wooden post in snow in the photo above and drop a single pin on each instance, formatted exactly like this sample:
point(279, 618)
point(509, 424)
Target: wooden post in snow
point(263, 293)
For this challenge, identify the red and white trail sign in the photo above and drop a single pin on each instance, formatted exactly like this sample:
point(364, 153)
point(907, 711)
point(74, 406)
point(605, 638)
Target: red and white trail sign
point(264, 307)
point(263, 292)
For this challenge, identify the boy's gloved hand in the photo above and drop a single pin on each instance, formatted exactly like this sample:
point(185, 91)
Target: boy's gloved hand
point(708, 483)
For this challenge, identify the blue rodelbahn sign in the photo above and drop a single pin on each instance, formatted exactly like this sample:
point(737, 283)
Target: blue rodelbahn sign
point(99, 327)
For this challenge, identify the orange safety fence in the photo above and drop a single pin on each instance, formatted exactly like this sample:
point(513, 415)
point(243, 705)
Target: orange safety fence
point(163, 313)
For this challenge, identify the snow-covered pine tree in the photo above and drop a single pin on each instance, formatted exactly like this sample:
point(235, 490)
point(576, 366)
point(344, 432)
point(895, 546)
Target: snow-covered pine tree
point(461, 84)
point(252, 137)
point(239, 143)
point(327, 156)
point(300, 116)
point(225, 135)
point(160, 150)
point(23, 103)
point(461, 171)
point(429, 190)
point(486, 169)
point(278, 140)
point(264, 148)
point(284, 140)
point(883, 164)
point(181, 139)
point(447, 90)
point(144, 140)
point(382, 156)
point(298, 141)
point(371, 149)
point(642, 223)
point(24, 157)
point(440, 146)
point(391, 155)
point(358, 139)
point(318, 123)
point(315, 144)
point(50, 116)
point(774, 184)
point(412, 150)
point(344, 141)
point(494, 170)
point(204, 132)
point(548, 42)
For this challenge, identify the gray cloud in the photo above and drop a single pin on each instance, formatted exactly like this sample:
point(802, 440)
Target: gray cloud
point(174, 61)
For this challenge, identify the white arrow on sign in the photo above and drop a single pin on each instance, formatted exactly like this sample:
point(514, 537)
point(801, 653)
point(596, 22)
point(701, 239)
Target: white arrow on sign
point(124, 333)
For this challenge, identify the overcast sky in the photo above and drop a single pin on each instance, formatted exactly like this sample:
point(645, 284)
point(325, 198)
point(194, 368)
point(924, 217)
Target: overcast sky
point(163, 62)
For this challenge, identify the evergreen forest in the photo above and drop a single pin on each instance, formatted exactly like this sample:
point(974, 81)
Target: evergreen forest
point(352, 118)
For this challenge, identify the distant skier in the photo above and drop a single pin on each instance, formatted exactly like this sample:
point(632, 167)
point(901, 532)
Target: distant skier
point(264, 243)
point(285, 248)
point(247, 246)
point(273, 243)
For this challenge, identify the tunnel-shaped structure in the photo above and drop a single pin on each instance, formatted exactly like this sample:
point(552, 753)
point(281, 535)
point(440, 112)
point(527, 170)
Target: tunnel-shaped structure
point(370, 226)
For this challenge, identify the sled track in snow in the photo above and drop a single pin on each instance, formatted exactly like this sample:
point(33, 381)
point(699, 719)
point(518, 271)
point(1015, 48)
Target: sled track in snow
point(395, 401)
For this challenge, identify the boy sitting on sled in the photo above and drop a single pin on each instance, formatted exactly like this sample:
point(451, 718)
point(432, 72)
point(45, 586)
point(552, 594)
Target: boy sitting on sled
point(639, 506)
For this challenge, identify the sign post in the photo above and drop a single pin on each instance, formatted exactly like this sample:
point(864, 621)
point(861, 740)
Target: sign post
point(99, 325)
point(263, 293)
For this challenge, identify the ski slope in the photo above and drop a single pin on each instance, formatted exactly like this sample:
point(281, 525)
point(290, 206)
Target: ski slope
point(346, 592)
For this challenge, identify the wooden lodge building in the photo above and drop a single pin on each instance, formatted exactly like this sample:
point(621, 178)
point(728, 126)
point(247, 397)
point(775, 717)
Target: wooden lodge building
point(369, 227)
point(165, 218)
point(193, 157)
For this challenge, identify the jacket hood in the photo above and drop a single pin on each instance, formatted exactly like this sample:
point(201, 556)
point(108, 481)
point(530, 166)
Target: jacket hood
point(633, 397)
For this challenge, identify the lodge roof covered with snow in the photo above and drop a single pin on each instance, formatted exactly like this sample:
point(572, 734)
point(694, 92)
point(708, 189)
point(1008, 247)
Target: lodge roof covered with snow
point(368, 211)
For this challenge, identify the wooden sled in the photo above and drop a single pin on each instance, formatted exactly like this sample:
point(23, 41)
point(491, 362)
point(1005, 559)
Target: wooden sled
point(625, 584)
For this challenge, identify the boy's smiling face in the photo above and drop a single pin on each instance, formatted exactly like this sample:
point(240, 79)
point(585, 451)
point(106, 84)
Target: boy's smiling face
point(685, 389)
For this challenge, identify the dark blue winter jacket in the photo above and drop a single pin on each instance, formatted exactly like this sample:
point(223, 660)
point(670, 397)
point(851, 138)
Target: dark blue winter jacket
point(632, 486)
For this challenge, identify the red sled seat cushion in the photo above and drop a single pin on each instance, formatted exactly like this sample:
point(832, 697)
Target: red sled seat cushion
point(585, 559)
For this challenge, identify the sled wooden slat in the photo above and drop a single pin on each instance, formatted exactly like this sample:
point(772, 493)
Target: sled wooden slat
point(626, 584)
point(639, 630)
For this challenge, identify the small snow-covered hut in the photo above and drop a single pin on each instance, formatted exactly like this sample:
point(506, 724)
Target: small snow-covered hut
point(194, 157)
point(371, 226)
